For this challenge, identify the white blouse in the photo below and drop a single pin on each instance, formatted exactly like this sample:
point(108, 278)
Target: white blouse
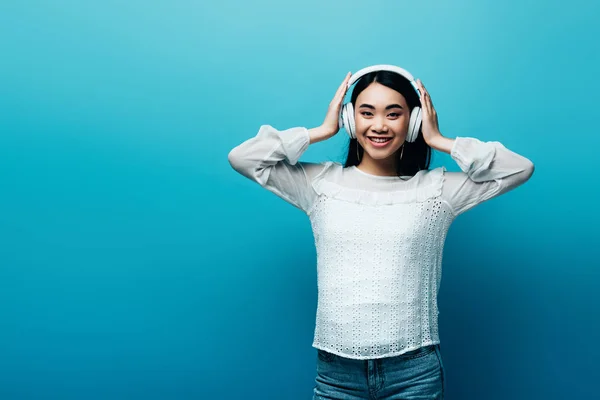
point(379, 239)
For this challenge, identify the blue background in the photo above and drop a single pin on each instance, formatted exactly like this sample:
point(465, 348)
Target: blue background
point(135, 263)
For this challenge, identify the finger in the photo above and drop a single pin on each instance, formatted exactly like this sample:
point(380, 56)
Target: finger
point(423, 89)
point(424, 96)
point(344, 85)
point(427, 98)
point(419, 87)
point(424, 102)
point(429, 101)
point(340, 96)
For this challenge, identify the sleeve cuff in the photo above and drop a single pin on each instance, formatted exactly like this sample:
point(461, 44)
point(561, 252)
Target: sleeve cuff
point(472, 155)
point(295, 141)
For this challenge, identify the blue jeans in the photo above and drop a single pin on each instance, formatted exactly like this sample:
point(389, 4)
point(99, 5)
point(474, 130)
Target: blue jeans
point(417, 374)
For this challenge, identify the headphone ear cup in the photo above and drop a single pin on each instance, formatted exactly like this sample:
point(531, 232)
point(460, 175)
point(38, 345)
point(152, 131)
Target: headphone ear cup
point(347, 117)
point(414, 125)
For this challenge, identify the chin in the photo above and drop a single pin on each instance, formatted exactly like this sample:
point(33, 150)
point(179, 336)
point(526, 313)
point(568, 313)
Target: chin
point(381, 155)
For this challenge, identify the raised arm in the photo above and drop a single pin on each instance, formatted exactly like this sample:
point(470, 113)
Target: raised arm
point(488, 170)
point(271, 158)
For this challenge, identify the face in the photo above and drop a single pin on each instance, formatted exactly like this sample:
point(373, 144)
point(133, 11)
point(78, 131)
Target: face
point(381, 112)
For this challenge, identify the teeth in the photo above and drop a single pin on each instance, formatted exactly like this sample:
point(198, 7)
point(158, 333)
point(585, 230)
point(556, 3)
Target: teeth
point(380, 140)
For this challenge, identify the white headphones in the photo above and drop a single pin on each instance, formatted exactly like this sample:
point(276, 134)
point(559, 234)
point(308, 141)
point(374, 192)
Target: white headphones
point(346, 118)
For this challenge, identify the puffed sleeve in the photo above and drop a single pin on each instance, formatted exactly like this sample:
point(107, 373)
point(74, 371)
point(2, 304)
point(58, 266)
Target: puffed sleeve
point(488, 170)
point(271, 158)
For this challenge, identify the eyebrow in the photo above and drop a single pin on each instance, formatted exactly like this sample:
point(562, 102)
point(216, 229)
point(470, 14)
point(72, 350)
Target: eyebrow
point(387, 108)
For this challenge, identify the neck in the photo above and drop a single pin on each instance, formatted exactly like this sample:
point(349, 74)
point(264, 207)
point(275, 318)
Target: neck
point(385, 167)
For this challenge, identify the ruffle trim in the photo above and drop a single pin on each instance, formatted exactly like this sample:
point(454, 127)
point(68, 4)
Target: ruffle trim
point(413, 193)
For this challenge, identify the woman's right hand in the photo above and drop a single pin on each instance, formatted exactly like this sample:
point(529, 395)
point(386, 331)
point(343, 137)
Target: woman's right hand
point(330, 125)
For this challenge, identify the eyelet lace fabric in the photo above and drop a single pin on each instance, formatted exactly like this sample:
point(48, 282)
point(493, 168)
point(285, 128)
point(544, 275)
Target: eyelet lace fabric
point(379, 239)
point(379, 260)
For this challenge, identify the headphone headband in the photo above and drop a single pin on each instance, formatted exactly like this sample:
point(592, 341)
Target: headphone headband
point(383, 67)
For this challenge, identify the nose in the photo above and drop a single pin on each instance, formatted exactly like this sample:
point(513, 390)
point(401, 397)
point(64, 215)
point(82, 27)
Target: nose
point(378, 124)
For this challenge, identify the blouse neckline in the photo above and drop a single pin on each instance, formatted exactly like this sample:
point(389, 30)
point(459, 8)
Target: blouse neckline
point(331, 182)
point(381, 177)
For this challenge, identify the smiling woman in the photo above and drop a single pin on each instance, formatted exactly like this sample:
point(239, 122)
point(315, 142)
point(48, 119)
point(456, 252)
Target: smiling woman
point(386, 101)
point(379, 236)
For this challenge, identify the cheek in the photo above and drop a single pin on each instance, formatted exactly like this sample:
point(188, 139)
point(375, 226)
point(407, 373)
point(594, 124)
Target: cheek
point(361, 141)
point(402, 122)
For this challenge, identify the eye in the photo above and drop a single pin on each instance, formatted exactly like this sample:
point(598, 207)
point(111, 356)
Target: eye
point(367, 113)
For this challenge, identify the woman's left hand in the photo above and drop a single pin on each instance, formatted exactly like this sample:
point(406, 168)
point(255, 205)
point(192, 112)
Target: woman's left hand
point(430, 128)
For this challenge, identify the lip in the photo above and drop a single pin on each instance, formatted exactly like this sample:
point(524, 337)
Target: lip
point(379, 145)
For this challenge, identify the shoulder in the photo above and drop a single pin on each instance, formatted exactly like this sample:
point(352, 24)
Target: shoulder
point(319, 170)
point(334, 180)
point(427, 178)
point(432, 175)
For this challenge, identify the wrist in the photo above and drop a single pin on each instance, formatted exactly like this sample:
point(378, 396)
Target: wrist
point(441, 143)
point(318, 134)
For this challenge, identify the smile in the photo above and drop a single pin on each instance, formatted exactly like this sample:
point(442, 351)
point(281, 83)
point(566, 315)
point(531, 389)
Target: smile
point(379, 141)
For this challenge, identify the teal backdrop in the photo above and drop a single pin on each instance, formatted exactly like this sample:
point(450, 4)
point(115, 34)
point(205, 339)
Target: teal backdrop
point(135, 263)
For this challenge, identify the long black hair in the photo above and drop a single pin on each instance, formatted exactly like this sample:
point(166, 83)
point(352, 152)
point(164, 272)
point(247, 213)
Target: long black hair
point(416, 155)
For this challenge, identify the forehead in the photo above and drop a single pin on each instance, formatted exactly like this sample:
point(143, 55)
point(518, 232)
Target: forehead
point(379, 95)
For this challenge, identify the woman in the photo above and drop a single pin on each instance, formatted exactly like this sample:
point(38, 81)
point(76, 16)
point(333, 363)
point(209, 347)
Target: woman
point(379, 222)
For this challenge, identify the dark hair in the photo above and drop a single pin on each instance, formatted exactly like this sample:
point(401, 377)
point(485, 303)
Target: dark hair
point(416, 155)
